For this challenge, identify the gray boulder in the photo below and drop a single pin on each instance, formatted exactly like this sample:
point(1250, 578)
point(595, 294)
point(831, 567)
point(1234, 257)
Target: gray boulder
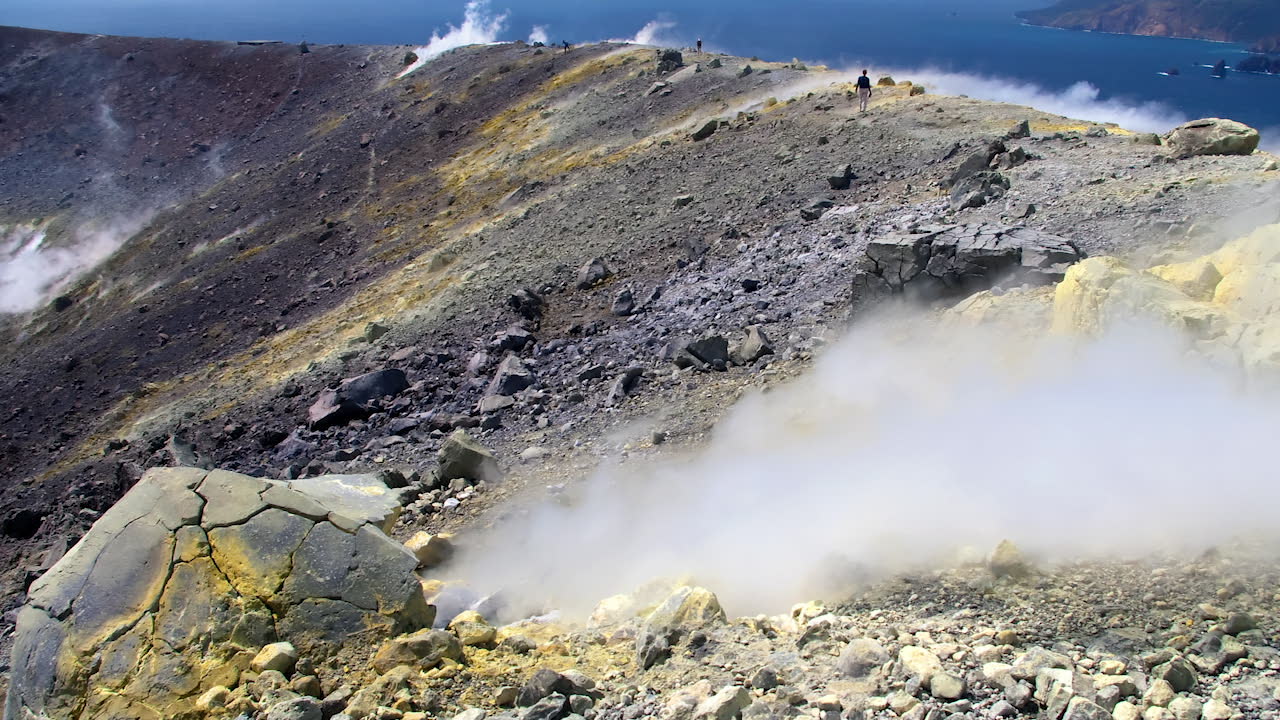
point(977, 189)
point(669, 60)
point(861, 657)
point(841, 177)
point(594, 272)
point(816, 209)
point(510, 378)
point(974, 164)
point(1212, 136)
point(706, 130)
point(708, 353)
point(753, 346)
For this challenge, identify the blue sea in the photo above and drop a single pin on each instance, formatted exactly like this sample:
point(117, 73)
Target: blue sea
point(975, 48)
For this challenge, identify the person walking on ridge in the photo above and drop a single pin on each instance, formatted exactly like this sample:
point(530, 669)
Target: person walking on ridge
point(566, 46)
point(864, 91)
point(699, 44)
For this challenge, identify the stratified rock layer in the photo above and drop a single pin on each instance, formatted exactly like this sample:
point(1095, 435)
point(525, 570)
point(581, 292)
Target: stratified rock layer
point(957, 259)
point(174, 590)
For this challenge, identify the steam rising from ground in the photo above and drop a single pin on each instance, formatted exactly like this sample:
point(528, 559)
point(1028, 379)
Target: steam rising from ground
point(903, 445)
point(539, 35)
point(653, 33)
point(479, 27)
point(32, 272)
point(1082, 100)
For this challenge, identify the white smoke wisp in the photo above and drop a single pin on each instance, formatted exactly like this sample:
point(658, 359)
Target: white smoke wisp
point(1270, 139)
point(1082, 100)
point(903, 445)
point(479, 27)
point(31, 272)
point(539, 35)
point(653, 33)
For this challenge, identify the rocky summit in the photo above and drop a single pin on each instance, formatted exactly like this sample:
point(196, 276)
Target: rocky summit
point(309, 328)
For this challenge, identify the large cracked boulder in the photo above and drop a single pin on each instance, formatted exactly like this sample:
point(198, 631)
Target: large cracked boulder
point(174, 590)
point(1212, 136)
point(957, 260)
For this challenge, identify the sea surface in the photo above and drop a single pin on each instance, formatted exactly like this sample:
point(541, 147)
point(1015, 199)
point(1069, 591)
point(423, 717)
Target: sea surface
point(969, 47)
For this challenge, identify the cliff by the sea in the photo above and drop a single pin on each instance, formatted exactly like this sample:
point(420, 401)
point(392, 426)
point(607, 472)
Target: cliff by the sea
point(1256, 22)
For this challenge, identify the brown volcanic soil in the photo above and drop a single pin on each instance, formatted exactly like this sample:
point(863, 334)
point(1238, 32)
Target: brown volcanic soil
point(299, 196)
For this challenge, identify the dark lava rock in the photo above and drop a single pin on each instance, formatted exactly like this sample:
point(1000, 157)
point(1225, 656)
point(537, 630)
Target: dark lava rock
point(351, 400)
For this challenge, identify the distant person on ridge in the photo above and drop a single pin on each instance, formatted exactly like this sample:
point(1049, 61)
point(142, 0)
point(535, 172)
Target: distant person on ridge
point(699, 44)
point(864, 91)
point(566, 47)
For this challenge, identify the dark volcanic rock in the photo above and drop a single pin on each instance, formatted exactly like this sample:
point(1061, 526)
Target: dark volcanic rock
point(351, 400)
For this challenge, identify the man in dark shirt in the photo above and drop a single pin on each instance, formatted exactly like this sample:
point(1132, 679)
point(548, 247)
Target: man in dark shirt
point(864, 91)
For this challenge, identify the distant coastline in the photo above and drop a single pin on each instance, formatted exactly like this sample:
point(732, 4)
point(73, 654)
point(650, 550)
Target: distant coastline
point(1253, 24)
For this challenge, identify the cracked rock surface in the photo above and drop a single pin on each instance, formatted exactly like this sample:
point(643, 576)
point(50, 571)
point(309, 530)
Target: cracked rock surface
point(175, 588)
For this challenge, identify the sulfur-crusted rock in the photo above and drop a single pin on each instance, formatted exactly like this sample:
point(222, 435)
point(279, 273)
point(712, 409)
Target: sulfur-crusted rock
point(919, 663)
point(424, 649)
point(431, 550)
point(179, 586)
point(685, 610)
point(1007, 561)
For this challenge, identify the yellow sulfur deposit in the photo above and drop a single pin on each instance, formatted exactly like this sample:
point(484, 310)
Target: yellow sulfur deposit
point(1225, 300)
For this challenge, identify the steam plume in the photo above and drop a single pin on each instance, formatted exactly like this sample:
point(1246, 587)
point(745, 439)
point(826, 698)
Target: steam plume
point(31, 272)
point(479, 27)
point(905, 443)
point(1081, 100)
point(539, 35)
point(651, 34)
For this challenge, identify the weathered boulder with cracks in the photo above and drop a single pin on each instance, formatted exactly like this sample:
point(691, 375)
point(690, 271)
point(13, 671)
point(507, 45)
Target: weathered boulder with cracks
point(1212, 136)
point(959, 259)
point(178, 588)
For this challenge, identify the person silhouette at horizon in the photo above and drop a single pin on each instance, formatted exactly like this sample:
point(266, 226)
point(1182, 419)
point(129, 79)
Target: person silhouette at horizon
point(864, 91)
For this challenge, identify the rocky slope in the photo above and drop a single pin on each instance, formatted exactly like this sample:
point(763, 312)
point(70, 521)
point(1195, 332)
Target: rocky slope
point(571, 256)
point(1247, 21)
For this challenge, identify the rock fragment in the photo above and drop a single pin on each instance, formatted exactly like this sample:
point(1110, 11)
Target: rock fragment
point(462, 457)
point(430, 550)
point(594, 272)
point(280, 657)
point(352, 399)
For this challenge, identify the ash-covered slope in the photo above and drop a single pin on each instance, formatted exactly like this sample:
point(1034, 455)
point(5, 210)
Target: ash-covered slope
point(318, 218)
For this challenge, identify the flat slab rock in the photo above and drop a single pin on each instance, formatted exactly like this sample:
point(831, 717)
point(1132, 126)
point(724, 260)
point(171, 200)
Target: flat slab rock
point(958, 259)
point(193, 571)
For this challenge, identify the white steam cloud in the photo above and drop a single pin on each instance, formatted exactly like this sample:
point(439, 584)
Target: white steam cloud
point(653, 33)
point(905, 444)
point(1082, 100)
point(479, 27)
point(32, 272)
point(539, 35)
